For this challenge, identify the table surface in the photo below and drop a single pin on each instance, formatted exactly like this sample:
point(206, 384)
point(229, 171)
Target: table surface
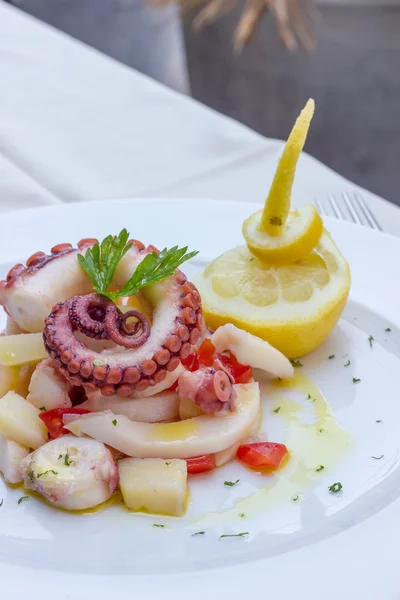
point(77, 126)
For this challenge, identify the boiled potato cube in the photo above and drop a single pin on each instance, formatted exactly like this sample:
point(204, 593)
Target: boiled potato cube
point(188, 409)
point(21, 349)
point(19, 421)
point(154, 485)
point(11, 455)
point(16, 379)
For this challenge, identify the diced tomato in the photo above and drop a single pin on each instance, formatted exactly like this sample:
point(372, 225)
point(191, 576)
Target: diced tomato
point(265, 455)
point(205, 356)
point(200, 464)
point(53, 419)
point(240, 373)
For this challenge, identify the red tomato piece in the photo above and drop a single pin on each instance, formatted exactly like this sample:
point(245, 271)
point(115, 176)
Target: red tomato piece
point(200, 464)
point(206, 353)
point(53, 419)
point(267, 455)
point(240, 373)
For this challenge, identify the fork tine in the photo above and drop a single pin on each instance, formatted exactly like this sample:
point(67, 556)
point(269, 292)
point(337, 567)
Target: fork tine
point(366, 211)
point(319, 207)
point(351, 209)
point(338, 212)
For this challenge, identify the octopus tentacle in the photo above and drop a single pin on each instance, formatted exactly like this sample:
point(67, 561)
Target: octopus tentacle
point(87, 314)
point(115, 323)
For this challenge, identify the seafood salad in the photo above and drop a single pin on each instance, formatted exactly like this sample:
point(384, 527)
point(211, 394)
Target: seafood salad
point(119, 373)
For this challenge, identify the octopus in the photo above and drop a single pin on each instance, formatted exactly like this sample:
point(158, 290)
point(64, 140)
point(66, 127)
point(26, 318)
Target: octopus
point(95, 345)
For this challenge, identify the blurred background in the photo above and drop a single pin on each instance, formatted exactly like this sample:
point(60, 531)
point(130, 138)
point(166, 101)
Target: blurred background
point(353, 73)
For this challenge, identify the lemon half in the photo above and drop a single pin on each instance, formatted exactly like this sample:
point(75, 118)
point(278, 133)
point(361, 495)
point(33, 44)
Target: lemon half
point(294, 307)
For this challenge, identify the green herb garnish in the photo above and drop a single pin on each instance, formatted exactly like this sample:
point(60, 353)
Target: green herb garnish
point(295, 363)
point(45, 473)
point(229, 535)
point(1, 503)
point(158, 525)
point(356, 380)
point(42, 408)
point(378, 457)
point(168, 463)
point(335, 487)
point(371, 339)
point(388, 329)
point(378, 421)
point(319, 468)
point(295, 498)
point(309, 397)
point(60, 456)
point(347, 364)
point(67, 460)
point(231, 483)
point(242, 515)
point(22, 498)
point(114, 422)
point(276, 410)
point(100, 263)
point(331, 356)
point(198, 533)
point(31, 475)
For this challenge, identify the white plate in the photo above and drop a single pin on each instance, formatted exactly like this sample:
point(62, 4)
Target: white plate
point(322, 546)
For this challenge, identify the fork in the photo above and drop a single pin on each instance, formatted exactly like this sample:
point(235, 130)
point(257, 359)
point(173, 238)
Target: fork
point(349, 208)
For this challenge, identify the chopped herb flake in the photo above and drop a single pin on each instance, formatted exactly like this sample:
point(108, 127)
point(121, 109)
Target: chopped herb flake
point(331, 356)
point(168, 463)
point(321, 430)
point(335, 487)
point(347, 364)
point(198, 533)
point(158, 525)
point(378, 457)
point(231, 483)
point(229, 535)
point(276, 410)
point(60, 456)
point(242, 515)
point(319, 468)
point(39, 475)
point(356, 380)
point(22, 498)
point(1, 503)
point(371, 339)
point(42, 408)
point(114, 422)
point(295, 498)
point(296, 363)
point(388, 329)
point(31, 475)
point(67, 460)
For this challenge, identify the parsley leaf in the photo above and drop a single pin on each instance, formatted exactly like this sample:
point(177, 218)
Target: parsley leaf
point(295, 498)
point(319, 468)
point(45, 473)
point(158, 525)
point(31, 475)
point(356, 380)
point(42, 408)
point(388, 329)
point(276, 410)
point(168, 463)
point(198, 533)
point(1, 503)
point(371, 339)
point(347, 364)
point(114, 422)
point(295, 363)
point(22, 498)
point(100, 263)
point(378, 457)
point(60, 456)
point(67, 460)
point(331, 356)
point(231, 483)
point(378, 421)
point(229, 535)
point(335, 487)
point(242, 515)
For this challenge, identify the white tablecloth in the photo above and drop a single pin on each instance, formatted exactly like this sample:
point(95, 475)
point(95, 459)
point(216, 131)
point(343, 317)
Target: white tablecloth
point(78, 126)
